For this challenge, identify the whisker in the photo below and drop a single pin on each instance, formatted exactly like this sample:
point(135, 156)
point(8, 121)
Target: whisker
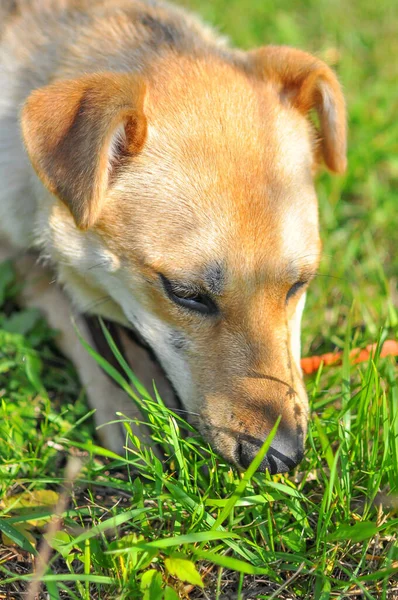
point(96, 303)
point(187, 412)
point(104, 263)
point(331, 276)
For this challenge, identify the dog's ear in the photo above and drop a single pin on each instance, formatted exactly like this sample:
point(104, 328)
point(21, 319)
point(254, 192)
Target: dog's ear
point(77, 131)
point(308, 83)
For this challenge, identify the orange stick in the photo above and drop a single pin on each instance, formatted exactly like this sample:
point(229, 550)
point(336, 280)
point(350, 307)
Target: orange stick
point(312, 363)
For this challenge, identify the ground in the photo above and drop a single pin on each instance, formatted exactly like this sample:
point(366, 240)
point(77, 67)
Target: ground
point(328, 530)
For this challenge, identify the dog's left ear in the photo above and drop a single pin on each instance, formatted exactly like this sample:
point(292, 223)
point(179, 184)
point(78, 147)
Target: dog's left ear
point(78, 131)
point(307, 83)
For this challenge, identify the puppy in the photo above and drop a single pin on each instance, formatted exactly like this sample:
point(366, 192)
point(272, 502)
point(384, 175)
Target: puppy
point(167, 180)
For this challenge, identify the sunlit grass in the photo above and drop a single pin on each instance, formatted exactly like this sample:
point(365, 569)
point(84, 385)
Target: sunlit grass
point(332, 523)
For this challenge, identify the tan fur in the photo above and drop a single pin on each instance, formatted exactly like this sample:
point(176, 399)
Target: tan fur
point(307, 83)
point(68, 129)
point(159, 150)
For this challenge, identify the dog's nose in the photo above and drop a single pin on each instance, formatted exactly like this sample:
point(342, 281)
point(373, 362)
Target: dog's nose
point(284, 454)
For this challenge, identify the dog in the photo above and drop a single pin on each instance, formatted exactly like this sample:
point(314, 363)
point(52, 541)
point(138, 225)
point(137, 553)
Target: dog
point(167, 180)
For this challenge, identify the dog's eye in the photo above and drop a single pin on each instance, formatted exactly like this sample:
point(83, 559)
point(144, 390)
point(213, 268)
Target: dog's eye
point(294, 289)
point(187, 298)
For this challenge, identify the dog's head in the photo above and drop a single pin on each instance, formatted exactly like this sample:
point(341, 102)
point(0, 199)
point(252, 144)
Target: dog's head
point(188, 198)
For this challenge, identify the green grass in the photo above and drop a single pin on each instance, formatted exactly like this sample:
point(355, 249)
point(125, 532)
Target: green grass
point(328, 530)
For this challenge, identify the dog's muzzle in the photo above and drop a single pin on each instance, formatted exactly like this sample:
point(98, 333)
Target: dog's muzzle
point(285, 453)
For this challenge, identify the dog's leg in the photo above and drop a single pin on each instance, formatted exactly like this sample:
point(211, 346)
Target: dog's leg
point(40, 292)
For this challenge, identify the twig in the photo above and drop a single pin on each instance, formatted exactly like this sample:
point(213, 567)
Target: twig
point(72, 470)
point(284, 585)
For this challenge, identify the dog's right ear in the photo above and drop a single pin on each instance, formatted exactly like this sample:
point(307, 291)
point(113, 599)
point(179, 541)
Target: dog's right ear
point(306, 83)
point(77, 131)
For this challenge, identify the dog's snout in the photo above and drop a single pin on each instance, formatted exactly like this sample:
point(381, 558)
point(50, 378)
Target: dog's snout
point(285, 453)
